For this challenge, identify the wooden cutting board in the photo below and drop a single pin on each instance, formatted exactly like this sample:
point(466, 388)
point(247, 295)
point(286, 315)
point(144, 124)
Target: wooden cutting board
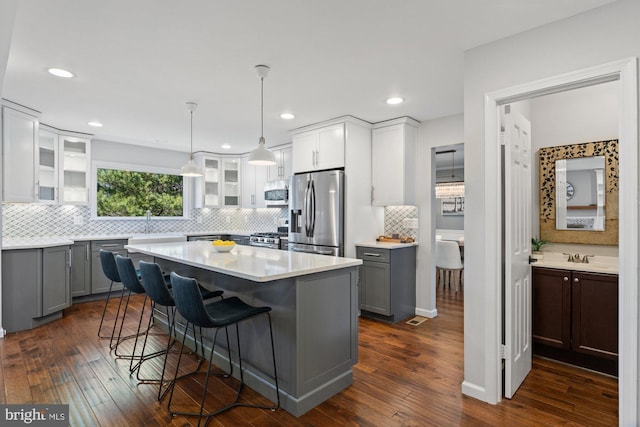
point(386, 239)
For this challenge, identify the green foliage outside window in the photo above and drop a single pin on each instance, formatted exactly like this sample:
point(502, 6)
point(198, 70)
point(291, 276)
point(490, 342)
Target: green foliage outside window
point(123, 193)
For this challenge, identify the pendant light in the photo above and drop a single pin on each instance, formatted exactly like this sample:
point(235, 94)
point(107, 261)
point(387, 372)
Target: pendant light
point(191, 169)
point(447, 190)
point(261, 156)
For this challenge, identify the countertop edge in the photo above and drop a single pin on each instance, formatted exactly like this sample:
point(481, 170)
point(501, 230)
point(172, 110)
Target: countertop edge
point(385, 245)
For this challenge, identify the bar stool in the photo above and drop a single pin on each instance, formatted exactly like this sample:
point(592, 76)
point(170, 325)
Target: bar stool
point(156, 288)
point(110, 269)
point(216, 315)
point(130, 280)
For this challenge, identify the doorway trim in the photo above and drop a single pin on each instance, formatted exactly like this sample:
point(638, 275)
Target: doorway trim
point(624, 71)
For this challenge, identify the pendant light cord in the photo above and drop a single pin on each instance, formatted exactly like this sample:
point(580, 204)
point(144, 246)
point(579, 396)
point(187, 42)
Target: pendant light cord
point(261, 107)
point(191, 150)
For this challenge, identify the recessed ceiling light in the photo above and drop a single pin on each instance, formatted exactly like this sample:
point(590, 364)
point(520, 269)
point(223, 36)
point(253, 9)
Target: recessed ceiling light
point(226, 146)
point(95, 124)
point(287, 116)
point(395, 100)
point(59, 72)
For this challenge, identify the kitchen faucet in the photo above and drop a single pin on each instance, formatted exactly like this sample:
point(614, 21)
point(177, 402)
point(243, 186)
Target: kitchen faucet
point(147, 226)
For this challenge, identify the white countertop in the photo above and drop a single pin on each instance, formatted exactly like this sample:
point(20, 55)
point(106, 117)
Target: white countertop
point(597, 264)
point(247, 262)
point(9, 243)
point(385, 245)
point(34, 242)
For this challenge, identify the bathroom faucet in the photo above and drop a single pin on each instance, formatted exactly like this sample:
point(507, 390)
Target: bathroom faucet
point(576, 258)
point(147, 226)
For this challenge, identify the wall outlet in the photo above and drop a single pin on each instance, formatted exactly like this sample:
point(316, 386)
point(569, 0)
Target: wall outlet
point(410, 223)
point(228, 219)
point(78, 220)
point(199, 219)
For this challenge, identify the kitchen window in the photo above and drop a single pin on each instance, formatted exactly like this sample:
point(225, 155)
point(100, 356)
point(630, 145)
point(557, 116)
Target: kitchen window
point(129, 191)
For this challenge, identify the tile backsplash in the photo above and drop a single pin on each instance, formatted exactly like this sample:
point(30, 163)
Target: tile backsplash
point(394, 221)
point(34, 220)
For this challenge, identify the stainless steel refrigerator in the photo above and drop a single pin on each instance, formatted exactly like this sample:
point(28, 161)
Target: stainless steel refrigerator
point(316, 213)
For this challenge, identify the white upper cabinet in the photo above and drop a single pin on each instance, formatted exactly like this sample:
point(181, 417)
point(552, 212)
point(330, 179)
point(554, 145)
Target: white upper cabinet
point(209, 190)
point(75, 163)
point(319, 149)
point(48, 174)
point(231, 181)
point(220, 185)
point(393, 161)
point(282, 168)
point(20, 156)
point(253, 180)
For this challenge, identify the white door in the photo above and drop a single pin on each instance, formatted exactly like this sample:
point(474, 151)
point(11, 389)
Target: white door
point(517, 240)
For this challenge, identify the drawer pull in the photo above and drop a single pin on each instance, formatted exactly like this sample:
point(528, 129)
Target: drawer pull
point(370, 254)
point(110, 245)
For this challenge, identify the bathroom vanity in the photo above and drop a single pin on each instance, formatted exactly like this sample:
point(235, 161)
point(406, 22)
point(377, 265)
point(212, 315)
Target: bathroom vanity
point(575, 313)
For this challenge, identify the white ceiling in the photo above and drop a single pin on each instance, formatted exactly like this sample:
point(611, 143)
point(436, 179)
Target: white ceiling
point(138, 61)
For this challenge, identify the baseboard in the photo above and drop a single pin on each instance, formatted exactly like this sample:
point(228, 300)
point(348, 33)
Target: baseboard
point(475, 391)
point(426, 313)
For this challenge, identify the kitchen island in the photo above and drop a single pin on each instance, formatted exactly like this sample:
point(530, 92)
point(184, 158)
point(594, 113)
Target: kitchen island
point(314, 301)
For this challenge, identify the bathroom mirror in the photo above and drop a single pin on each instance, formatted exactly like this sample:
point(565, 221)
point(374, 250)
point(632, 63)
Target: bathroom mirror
point(578, 199)
point(580, 194)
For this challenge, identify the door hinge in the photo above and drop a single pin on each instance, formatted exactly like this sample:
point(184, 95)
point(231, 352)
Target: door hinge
point(504, 352)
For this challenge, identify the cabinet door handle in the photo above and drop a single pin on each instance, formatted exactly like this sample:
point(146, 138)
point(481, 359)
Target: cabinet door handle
point(576, 280)
point(69, 257)
point(566, 279)
point(317, 157)
point(370, 254)
point(88, 252)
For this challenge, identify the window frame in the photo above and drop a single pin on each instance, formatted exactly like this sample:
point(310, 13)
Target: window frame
point(95, 165)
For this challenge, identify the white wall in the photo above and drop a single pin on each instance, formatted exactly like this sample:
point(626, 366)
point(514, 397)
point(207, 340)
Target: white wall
point(581, 115)
point(7, 16)
point(596, 37)
point(432, 133)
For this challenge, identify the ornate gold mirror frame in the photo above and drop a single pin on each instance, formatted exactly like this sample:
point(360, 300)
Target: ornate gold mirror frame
point(547, 182)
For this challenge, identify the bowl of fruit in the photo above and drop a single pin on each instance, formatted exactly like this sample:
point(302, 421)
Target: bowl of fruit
point(223, 245)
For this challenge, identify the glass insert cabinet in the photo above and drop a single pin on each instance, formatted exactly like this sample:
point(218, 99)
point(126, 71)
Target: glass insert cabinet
point(220, 185)
point(63, 169)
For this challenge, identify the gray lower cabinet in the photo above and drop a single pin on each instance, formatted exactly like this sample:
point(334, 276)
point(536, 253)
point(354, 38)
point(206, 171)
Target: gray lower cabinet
point(387, 282)
point(56, 279)
point(81, 269)
point(99, 282)
point(36, 286)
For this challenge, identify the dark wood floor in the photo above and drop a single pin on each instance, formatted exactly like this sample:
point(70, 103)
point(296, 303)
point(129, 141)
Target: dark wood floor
point(406, 376)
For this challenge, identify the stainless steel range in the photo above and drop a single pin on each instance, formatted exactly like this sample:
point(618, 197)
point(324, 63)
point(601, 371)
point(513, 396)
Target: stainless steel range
point(266, 240)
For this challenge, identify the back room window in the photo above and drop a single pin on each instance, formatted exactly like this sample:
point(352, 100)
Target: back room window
point(126, 193)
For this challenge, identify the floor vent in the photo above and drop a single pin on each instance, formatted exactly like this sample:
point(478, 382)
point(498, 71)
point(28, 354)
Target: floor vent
point(416, 321)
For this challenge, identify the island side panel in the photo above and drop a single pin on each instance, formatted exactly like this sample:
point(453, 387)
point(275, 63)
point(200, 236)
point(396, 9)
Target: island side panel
point(327, 320)
point(299, 306)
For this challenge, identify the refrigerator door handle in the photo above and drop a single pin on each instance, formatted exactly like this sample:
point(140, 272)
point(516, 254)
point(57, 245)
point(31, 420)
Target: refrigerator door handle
point(313, 208)
point(307, 219)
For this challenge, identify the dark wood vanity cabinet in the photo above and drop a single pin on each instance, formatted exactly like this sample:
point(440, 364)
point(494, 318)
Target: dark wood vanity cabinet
point(575, 317)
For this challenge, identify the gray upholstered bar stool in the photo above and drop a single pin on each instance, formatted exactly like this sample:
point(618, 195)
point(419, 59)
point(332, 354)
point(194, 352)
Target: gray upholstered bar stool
point(154, 283)
point(217, 315)
point(130, 280)
point(110, 269)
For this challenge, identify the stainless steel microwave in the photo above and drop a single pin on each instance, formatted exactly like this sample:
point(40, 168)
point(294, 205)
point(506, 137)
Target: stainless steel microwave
point(276, 193)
